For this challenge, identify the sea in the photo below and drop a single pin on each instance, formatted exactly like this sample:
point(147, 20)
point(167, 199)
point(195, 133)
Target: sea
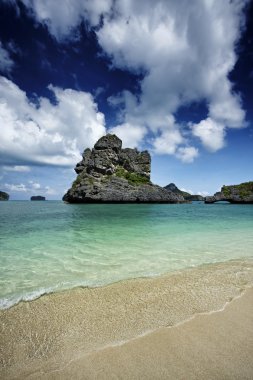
point(50, 246)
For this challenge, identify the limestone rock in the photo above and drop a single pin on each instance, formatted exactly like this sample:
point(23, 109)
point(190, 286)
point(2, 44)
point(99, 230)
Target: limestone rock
point(37, 198)
point(108, 174)
point(187, 196)
point(4, 196)
point(242, 193)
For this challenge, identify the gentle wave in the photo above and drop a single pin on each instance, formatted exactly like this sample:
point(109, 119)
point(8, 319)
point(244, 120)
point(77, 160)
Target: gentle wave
point(8, 302)
point(59, 247)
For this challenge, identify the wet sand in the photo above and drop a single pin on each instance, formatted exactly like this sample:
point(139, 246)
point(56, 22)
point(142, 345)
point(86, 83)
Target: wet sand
point(159, 328)
point(215, 346)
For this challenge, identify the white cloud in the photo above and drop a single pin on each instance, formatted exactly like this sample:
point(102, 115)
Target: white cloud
point(30, 187)
point(34, 185)
point(167, 142)
point(187, 154)
point(211, 133)
point(17, 168)
point(50, 191)
point(185, 51)
point(185, 57)
point(6, 63)
point(52, 134)
point(62, 19)
point(202, 193)
point(226, 109)
point(15, 187)
point(131, 135)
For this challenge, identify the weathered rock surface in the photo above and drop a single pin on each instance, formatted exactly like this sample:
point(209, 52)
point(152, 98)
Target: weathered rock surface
point(4, 196)
point(37, 198)
point(187, 196)
point(242, 193)
point(108, 174)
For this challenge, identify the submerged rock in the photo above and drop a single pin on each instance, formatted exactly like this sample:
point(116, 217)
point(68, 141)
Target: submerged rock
point(108, 174)
point(37, 198)
point(4, 196)
point(242, 193)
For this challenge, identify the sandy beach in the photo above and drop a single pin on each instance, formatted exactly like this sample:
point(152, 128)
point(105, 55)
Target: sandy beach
point(213, 346)
point(192, 324)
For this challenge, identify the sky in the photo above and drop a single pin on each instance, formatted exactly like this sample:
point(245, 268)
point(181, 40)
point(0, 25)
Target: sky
point(173, 77)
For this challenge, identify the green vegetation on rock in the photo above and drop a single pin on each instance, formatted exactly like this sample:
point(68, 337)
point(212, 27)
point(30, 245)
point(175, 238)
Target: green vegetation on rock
point(226, 191)
point(77, 181)
point(243, 189)
point(132, 178)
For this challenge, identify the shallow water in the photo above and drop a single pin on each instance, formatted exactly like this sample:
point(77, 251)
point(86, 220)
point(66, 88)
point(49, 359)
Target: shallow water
point(48, 246)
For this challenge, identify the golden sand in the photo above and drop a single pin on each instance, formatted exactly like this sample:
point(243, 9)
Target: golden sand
point(137, 329)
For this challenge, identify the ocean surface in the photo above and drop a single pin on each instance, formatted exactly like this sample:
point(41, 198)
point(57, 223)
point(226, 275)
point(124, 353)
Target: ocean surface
point(51, 246)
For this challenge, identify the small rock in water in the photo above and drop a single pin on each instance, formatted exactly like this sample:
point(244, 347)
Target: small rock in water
point(37, 198)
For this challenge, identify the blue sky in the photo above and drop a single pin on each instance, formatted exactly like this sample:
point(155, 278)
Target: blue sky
point(172, 77)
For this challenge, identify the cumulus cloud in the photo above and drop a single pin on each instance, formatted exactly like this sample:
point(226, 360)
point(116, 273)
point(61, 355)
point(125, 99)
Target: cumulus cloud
point(131, 135)
point(184, 50)
point(17, 168)
point(47, 133)
point(187, 154)
point(167, 142)
point(180, 46)
point(6, 62)
point(211, 134)
point(63, 19)
point(35, 185)
point(15, 187)
point(30, 187)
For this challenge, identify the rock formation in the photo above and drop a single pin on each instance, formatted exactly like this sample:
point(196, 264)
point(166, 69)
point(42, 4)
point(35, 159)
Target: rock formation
point(194, 197)
point(37, 198)
point(242, 193)
point(187, 196)
point(4, 196)
point(110, 174)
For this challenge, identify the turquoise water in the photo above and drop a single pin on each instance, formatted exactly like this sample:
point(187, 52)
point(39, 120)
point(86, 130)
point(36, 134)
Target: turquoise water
point(49, 246)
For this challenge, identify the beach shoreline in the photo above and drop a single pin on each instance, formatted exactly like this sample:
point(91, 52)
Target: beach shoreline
point(61, 332)
point(215, 345)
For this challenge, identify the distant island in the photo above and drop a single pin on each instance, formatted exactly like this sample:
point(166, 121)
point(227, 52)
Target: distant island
point(242, 193)
point(37, 198)
point(110, 174)
point(4, 196)
point(187, 196)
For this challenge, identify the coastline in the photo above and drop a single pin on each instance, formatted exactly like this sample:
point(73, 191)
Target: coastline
point(41, 337)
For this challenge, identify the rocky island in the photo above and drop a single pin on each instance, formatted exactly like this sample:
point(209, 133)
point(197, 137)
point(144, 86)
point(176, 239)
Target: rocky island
point(187, 196)
point(4, 196)
point(242, 193)
point(37, 198)
point(110, 174)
